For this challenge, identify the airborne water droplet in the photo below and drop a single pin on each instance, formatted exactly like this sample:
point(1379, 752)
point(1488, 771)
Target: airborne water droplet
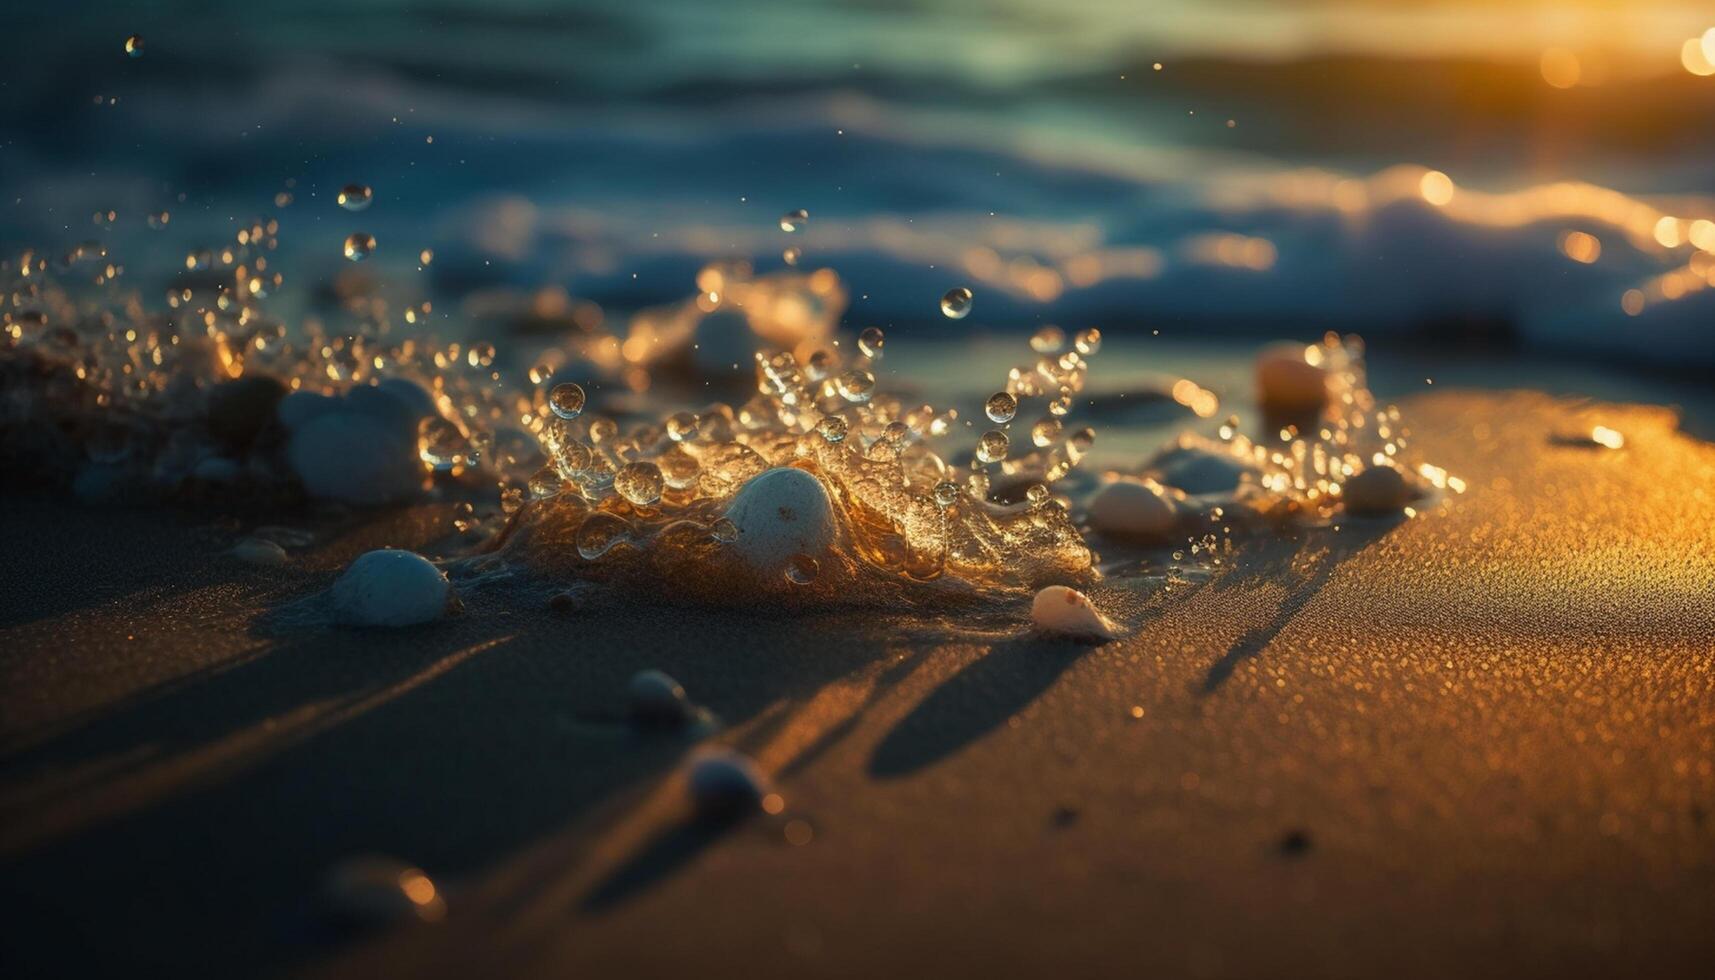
point(134, 46)
point(857, 386)
point(870, 342)
point(1046, 432)
point(1001, 407)
point(802, 570)
point(792, 255)
point(1048, 340)
point(1088, 341)
point(355, 197)
point(566, 400)
point(640, 483)
point(682, 426)
point(359, 245)
point(956, 303)
point(992, 447)
point(832, 428)
point(794, 219)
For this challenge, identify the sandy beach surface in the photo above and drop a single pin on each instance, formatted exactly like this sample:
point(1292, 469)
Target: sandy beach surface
point(1477, 743)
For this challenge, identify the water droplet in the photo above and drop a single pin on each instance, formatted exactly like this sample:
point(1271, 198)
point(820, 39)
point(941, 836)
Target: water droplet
point(802, 570)
point(359, 245)
point(1048, 340)
point(832, 428)
point(426, 256)
point(640, 483)
point(134, 46)
point(992, 447)
point(682, 426)
point(355, 197)
point(442, 444)
point(946, 493)
point(857, 386)
point(792, 255)
point(794, 220)
point(1001, 407)
point(1088, 341)
point(724, 531)
point(567, 401)
point(1036, 494)
point(869, 343)
point(956, 304)
point(600, 534)
point(1083, 439)
point(819, 364)
point(1046, 432)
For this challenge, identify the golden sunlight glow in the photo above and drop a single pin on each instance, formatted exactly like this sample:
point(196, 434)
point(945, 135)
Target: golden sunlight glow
point(1581, 246)
point(1695, 56)
point(1437, 188)
point(1561, 68)
point(1601, 435)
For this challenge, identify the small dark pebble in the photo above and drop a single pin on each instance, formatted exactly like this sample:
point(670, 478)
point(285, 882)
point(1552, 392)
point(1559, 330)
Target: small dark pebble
point(563, 602)
point(239, 410)
point(1296, 843)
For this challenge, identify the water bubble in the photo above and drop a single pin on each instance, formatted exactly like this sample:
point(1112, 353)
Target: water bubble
point(682, 426)
point(794, 220)
point(1087, 341)
point(355, 197)
point(946, 494)
point(802, 569)
point(134, 46)
point(724, 531)
point(956, 304)
point(857, 386)
point(567, 401)
point(1061, 404)
point(1046, 432)
point(359, 246)
point(600, 534)
point(1083, 439)
point(819, 364)
point(992, 447)
point(792, 255)
point(832, 427)
point(870, 341)
point(1036, 494)
point(442, 444)
point(1048, 340)
point(640, 483)
point(1001, 407)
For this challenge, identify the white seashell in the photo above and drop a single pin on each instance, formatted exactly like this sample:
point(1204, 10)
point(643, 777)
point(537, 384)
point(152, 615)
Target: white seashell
point(1286, 381)
point(1058, 609)
point(1375, 491)
point(724, 783)
point(259, 551)
point(1136, 509)
point(390, 588)
point(781, 513)
point(376, 891)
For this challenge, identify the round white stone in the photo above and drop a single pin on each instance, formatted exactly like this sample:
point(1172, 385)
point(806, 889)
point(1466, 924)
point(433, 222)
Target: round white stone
point(1128, 508)
point(1058, 609)
point(390, 588)
point(781, 513)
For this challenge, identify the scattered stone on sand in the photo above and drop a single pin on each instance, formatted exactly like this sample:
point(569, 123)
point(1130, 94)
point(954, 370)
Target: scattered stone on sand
point(1200, 471)
point(724, 784)
point(239, 410)
point(1377, 490)
point(373, 890)
point(781, 514)
point(563, 603)
point(391, 587)
point(1134, 509)
point(1286, 382)
point(361, 447)
point(1068, 612)
point(259, 551)
point(658, 700)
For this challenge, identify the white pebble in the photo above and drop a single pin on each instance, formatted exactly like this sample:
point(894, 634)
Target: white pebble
point(377, 891)
point(781, 513)
point(657, 699)
point(259, 551)
point(724, 783)
point(390, 588)
point(1377, 490)
point(1286, 381)
point(1137, 509)
point(1058, 609)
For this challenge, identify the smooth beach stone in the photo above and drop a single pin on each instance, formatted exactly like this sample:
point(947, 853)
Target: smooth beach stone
point(657, 699)
point(238, 410)
point(1198, 471)
point(390, 587)
point(412, 395)
point(1376, 491)
point(373, 890)
point(1058, 609)
point(355, 458)
point(218, 469)
point(259, 551)
point(724, 784)
point(781, 513)
point(1136, 509)
point(299, 407)
point(1285, 381)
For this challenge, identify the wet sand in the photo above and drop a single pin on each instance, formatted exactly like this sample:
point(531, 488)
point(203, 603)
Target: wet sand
point(1475, 743)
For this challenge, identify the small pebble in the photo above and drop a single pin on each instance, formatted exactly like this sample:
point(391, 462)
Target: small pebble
point(657, 699)
point(259, 551)
point(1135, 509)
point(1058, 609)
point(724, 784)
point(377, 891)
point(781, 514)
point(239, 410)
point(391, 587)
point(563, 602)
point(1376, 491)
point(1286, 382)
point(1198, 471)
